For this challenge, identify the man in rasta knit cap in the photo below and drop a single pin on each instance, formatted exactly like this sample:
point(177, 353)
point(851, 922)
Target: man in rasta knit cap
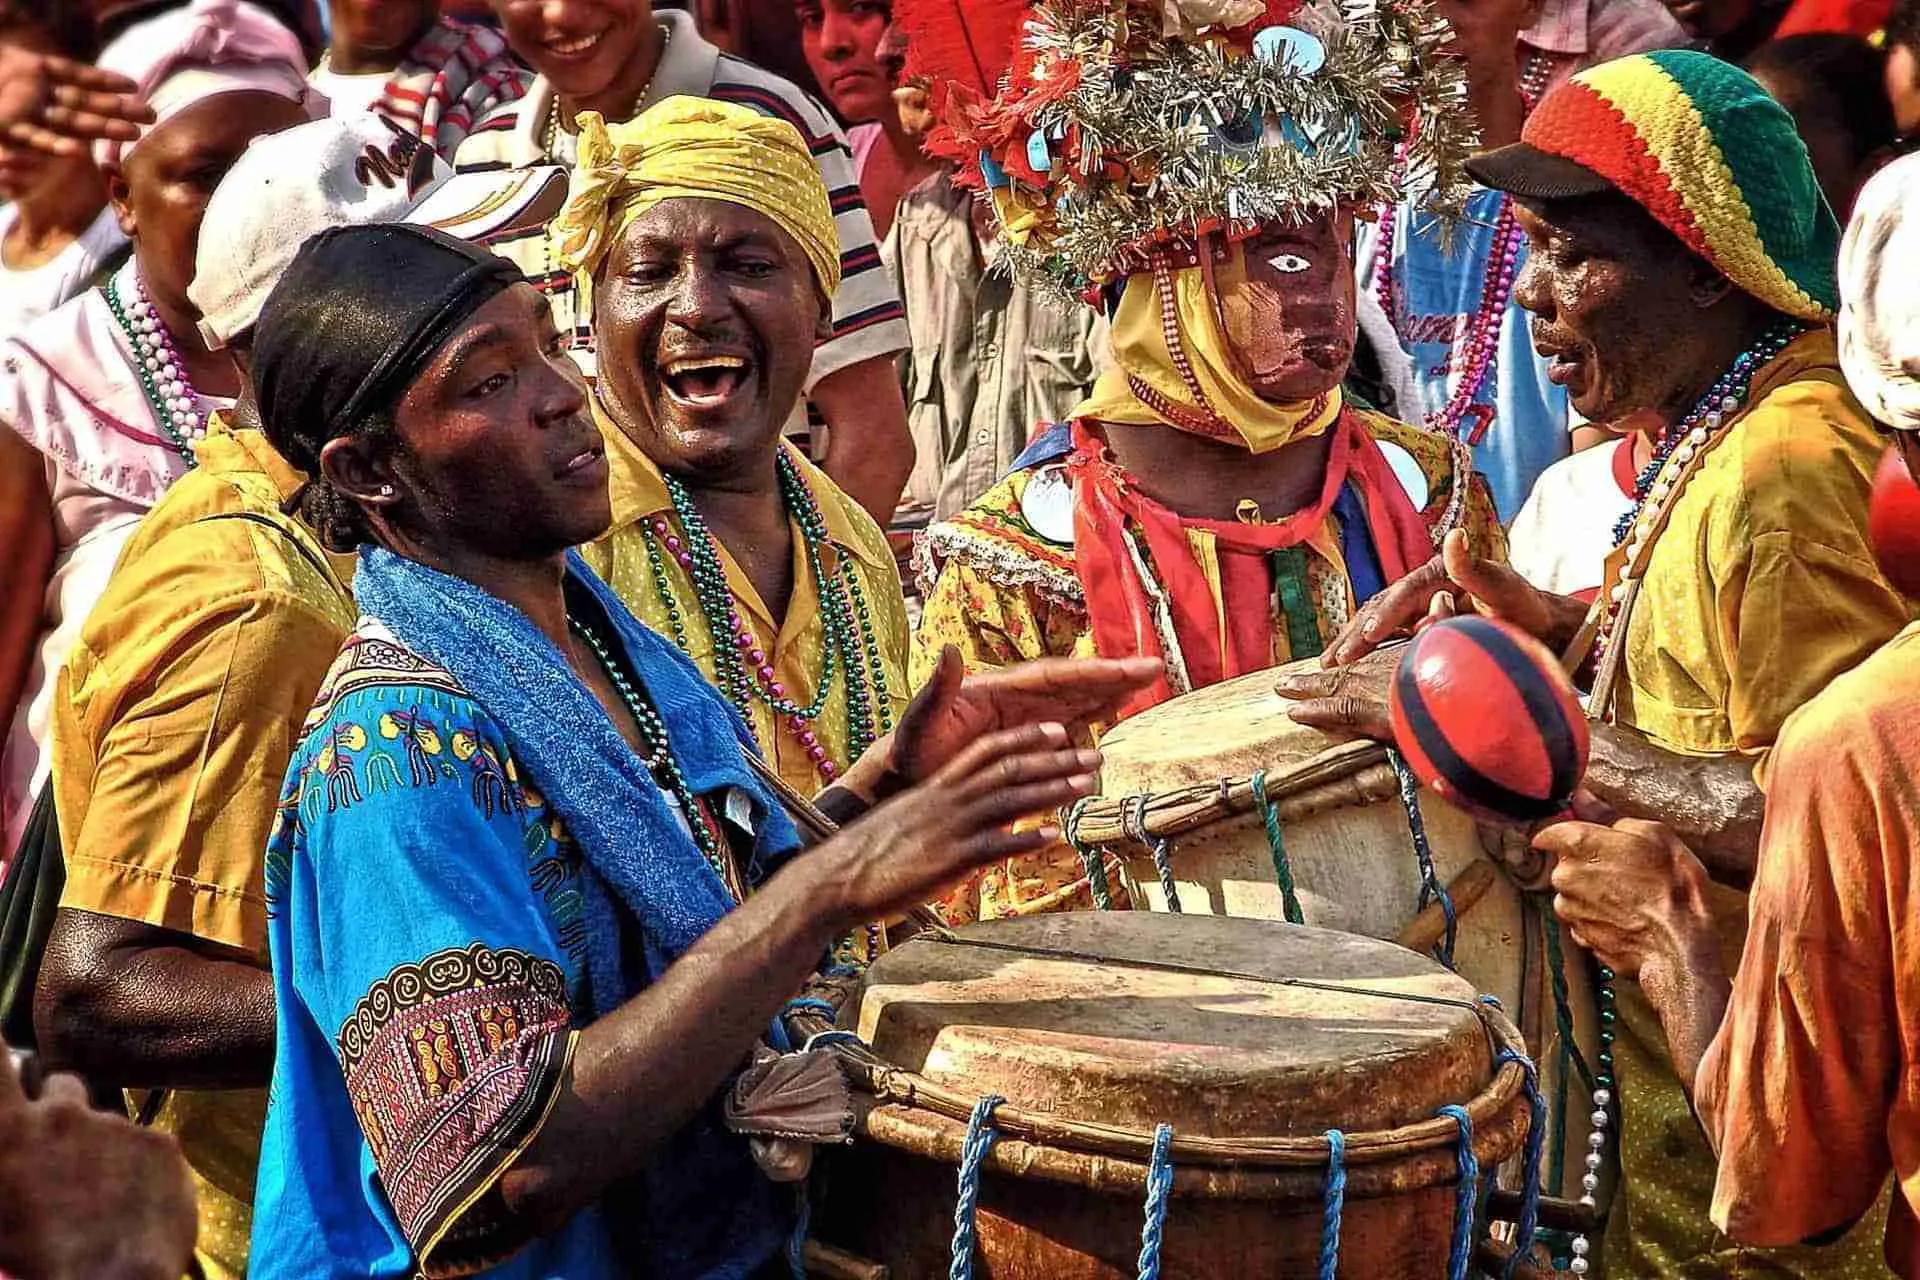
point(1215, 503)
point(1681, 281)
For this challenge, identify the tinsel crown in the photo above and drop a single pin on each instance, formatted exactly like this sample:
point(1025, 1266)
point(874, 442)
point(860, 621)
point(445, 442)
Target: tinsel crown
point(1123, 126)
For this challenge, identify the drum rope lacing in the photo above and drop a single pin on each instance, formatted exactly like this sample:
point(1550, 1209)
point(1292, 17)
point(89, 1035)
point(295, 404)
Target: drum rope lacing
point(981, 1135)
point(1529, 1217)
point(1159, 846)
point(984, 1127)
point(1092, 860)
point(1159, 1191)
point(1333, 1203)
point(1430, 887)
point(1464, 1195)
point(1277, 846)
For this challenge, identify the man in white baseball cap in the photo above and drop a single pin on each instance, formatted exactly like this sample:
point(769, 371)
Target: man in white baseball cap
point(178, 709)
point(346, 171)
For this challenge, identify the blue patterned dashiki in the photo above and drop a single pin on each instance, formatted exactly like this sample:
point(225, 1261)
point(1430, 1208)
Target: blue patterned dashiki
point(1517, 422)
point(436, 911)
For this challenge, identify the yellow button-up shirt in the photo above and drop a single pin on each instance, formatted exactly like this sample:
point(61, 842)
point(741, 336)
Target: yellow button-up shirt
point(174, 720)
point(795, 646)
point(1761, 589)
point(1763, 586)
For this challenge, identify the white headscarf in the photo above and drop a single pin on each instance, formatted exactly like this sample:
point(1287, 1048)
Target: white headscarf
point(199, 51)
point(1879, 322)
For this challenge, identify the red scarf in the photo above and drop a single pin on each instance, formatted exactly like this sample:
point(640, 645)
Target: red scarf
point(1106, 504)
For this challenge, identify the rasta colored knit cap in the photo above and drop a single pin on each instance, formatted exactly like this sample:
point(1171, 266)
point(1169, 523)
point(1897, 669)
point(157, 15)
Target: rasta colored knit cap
point(1702, 147)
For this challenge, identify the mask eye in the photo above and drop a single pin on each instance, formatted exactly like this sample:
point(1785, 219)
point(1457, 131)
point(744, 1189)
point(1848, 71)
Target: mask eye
point(1290, 264)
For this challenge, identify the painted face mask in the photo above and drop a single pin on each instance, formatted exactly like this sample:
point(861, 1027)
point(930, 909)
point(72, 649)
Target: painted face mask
point(1286, 308)
point(1247, 347)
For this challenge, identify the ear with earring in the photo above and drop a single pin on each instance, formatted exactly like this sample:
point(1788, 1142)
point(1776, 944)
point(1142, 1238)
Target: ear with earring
point(386, 491)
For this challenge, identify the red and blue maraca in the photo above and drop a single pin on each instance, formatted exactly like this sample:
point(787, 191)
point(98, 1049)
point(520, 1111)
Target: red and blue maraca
point(1484, 715)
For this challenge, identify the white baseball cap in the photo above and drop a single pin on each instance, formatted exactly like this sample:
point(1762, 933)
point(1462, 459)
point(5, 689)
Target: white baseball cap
point(345, 171)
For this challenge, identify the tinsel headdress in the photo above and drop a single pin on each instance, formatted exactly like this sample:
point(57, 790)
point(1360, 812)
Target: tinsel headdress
point(1110, 128)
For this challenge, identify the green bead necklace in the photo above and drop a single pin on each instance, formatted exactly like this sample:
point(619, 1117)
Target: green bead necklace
point(744, 671)
point(659, 758)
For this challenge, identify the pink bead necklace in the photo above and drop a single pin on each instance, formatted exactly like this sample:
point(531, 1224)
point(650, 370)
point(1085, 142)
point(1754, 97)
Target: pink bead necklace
point(1476, 357)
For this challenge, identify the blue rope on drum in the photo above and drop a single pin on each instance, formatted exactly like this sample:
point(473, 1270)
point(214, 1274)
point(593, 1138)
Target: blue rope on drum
point(1430, 887)
point(981, 1135)
point(1159, 1190)
point(1333, 1203)
point(980, 1138)
point(1530, 1159)
point(1465, 1194)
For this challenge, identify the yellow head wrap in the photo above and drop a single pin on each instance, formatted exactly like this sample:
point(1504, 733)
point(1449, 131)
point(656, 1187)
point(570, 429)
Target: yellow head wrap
point(694, 147)
point(1196, 389)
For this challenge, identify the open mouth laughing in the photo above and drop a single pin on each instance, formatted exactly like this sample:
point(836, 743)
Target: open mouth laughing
point(705, 382)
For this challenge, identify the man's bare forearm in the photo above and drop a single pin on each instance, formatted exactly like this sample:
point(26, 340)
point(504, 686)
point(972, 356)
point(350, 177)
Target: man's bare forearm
point(1691, 1000)
point(642, 1071)
point(1711, 802)
point(138, 1007)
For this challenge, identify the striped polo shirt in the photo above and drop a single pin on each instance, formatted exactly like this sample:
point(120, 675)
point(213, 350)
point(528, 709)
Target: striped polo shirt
point(868, 320)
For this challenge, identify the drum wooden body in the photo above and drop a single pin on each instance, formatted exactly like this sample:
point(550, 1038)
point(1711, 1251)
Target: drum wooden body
point(1250, 1041)
point(1347, 841)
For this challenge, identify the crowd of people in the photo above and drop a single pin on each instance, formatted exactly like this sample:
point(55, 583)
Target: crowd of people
point(528, 540)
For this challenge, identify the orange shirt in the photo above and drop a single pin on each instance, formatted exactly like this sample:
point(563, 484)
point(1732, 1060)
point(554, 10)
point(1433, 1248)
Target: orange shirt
point(1811, 1090)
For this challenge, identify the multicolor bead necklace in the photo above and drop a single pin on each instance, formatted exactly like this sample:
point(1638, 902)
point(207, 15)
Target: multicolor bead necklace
point(659, 757)
point(1712, 414)
point(162, 373)
point(742, 669)
point(1482, 338)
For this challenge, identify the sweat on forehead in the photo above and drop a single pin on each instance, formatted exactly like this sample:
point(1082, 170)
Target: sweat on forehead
point(355, 319)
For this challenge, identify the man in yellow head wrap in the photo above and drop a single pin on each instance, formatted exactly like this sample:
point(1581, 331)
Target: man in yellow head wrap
point(709, 242)
point(1216, 502)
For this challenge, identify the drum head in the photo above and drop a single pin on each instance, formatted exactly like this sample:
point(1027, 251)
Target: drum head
point(1230, 729)
point(1218, 1026)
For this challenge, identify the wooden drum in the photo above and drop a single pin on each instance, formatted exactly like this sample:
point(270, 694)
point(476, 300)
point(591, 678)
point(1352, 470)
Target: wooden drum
point(1250, 1042)
point(1178, 778)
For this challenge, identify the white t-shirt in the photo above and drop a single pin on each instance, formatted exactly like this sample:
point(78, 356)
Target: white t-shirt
point(30, 294)
point(349, 95)
point(1560, 540)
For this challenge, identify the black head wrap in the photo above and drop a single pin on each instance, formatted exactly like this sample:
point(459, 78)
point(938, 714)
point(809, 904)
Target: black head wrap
point(357, 315)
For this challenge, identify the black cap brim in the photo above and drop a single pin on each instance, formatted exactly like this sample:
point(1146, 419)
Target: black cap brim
point(1524, 170)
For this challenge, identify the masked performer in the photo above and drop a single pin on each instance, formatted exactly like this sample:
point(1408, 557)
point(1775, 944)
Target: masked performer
point(1216, 503)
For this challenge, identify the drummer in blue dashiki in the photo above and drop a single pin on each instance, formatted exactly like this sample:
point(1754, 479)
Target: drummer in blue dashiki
point(534, 913)
point(1216, 503)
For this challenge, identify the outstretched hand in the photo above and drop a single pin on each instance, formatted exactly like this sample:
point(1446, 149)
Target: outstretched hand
point(956, 708)
point(58, 105)
point(905, 850)
point(1455, 580)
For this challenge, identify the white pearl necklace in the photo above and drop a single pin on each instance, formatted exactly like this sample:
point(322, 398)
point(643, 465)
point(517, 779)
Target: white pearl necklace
point(163, 375)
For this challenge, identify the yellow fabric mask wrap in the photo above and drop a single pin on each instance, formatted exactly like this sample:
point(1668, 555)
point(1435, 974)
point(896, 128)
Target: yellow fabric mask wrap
point(694, 148)
point(1148, 385)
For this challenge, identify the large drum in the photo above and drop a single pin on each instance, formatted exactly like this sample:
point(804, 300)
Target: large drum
point(1329, 826)
point(1250, 1042)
